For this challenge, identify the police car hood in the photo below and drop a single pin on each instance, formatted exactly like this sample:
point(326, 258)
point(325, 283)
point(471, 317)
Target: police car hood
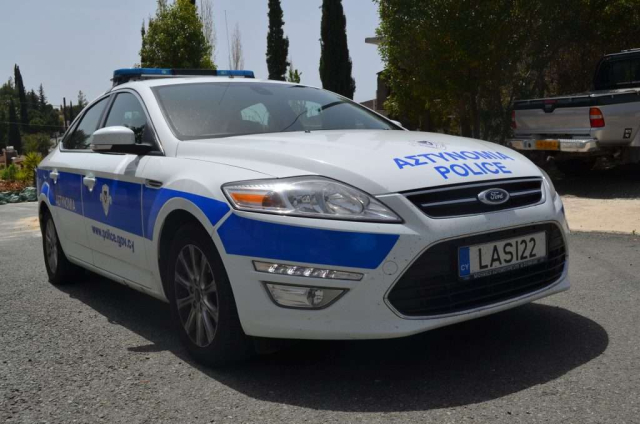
point(377, 162)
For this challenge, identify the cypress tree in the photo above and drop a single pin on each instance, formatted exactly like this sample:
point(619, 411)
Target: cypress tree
point(22, 97)
point(14, 138)
point(335, 63)
point(3, 129)
point(277, 43)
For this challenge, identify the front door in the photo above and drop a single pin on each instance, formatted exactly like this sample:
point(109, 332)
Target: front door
point(112, 199)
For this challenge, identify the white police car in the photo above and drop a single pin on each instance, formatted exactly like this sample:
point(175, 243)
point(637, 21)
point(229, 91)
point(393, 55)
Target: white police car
point(262, 208)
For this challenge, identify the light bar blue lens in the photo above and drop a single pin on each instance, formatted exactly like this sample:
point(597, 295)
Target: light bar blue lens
point(121, 74)
point(234, 73)
point(132, 72)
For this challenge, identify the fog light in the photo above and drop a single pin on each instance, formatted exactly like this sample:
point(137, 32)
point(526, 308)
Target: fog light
point(302, 297)
point(306, 271)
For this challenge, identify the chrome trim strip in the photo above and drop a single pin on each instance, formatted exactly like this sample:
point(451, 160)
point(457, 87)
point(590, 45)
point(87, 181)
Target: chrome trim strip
point(482, 184)
point(449, 202)
point(525, 192)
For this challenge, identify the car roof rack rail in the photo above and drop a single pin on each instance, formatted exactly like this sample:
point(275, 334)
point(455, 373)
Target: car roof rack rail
point(120, 76)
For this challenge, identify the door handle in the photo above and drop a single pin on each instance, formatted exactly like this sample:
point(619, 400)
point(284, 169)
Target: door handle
point(89, 181)
point(54, 175)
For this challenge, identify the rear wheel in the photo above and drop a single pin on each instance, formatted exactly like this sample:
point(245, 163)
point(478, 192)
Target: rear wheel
point(202, 303)
point(59, 269)
point(576, 166)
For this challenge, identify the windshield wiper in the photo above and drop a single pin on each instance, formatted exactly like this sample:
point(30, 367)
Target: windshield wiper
point(322, 108)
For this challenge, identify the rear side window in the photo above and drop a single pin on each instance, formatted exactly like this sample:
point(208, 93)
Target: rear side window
point(128, 112)
point(82, 135)
point(621, 73)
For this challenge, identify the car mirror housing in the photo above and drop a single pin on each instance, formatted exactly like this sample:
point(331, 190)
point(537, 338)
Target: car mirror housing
point(117, 139)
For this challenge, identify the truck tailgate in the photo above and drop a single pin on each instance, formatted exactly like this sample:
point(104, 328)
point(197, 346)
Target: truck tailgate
point(556, 121)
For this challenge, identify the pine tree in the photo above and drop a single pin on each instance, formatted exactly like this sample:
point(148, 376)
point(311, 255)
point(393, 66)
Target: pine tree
point(277, 43)
point(22, 97)
point(32, 100)
point(42, 99)
point(14, 138)
point(82, 100)
point(335, 63)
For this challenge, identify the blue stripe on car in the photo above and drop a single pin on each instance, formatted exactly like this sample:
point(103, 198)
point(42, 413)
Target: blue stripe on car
point(248, 237)
point(65, 192)
point(154, 199)
point(126, 197)
point(124, 204)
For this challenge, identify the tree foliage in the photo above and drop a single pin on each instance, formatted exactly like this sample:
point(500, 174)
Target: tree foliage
point(277, 43)
point(237, 55)
point(335, 63)
point(39, 143)
point(208, 25)
point(454, 65)
point(14, 137)
point(41, 117)
point(293, 75)
point(82, 100)
point(174, 38)
point(22, 97)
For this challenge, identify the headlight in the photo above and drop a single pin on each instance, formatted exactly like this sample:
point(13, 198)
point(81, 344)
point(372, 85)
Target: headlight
point(315, 197)
point(552, 188)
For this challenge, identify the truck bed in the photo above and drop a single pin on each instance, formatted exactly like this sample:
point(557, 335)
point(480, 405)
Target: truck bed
point(568, 116)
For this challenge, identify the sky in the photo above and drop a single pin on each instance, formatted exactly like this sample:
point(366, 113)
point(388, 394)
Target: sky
point(72, 45)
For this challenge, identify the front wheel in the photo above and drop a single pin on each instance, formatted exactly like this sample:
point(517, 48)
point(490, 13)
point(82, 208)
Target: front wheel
point(202, 303)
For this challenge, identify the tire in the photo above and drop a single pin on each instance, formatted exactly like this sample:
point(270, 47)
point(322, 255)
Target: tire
point(576, 166)
point(207, 319)
point(59, 269)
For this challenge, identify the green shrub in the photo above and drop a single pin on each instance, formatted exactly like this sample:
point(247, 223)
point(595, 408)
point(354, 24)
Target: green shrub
point(10, 173)
point(31, 162)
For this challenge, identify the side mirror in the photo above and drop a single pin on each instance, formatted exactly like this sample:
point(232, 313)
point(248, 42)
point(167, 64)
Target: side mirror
point(117, 139)
point(106, 138)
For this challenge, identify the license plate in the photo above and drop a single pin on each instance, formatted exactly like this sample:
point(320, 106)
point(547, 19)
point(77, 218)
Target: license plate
point(487, 259)
point(547, 145)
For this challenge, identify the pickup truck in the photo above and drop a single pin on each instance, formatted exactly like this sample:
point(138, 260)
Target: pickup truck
point(578, 129)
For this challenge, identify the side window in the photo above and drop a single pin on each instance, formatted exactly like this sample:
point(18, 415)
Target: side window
point(83, 133)
point(127, 111)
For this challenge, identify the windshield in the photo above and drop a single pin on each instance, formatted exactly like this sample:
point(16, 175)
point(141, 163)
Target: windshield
point(226, 109)
point(615, 74)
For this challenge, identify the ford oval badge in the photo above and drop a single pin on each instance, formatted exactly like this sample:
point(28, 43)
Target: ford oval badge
point(493, 196)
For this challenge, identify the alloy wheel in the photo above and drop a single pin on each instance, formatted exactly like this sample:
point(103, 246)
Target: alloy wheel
point(51, 245)
point(196, 295)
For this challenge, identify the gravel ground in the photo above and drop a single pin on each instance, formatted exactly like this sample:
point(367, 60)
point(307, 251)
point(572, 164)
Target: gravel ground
point(97, 351)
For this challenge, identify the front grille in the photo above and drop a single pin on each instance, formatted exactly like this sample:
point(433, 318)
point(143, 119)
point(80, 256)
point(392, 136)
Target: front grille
point(431, 285)
point(462, 199)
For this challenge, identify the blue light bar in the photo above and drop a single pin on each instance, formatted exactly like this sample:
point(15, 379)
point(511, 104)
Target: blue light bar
point(120, 76)
point(234, 73)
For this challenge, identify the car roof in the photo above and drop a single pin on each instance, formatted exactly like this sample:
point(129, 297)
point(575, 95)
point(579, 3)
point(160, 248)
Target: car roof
point(158, 82)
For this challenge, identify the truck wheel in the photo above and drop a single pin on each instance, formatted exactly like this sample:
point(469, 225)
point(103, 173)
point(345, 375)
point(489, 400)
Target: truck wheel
point(575, 166)
point(59, 269)
point(202, 303)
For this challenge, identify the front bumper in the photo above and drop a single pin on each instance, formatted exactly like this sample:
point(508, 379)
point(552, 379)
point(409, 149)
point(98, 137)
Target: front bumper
point(364, 312)
point(574, 145)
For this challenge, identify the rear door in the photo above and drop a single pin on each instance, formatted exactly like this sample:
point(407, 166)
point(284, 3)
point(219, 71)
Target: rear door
point(112, 197)
point(65, 173)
